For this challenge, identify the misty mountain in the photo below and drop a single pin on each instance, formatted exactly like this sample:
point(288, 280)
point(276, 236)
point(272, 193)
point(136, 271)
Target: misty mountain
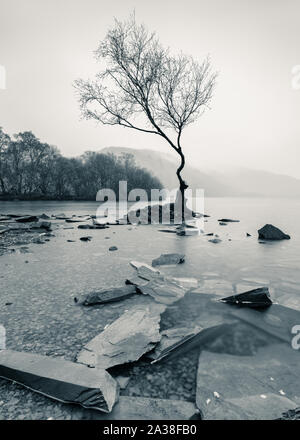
point(233, 182)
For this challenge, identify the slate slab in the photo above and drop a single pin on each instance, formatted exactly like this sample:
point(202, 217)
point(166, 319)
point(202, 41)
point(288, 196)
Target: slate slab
point(60, 380)
point(259, 387)
point(109, 295)
point(126, 339)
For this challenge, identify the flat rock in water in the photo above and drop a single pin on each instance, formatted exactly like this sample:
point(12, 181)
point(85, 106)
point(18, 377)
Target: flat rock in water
point(270, 232)
point(126, 339)
point(168, 231)
point(93, 226)
point(27, 219)
point(44, 216)
point(41, 224)
point(145, 271)
point(87, 238)
point(60, 380)
point(61, 216)
point(99, 226)
point(136, 281)
point(214, 286)
point(109, 295)
point(143, 408)
point(276, 321)
point(188, 283)
point(84, 226)
point(163, 291)
point(165, 259)
point(77, 219)
point(259, 387)
point(256, 298)
point(227, 220)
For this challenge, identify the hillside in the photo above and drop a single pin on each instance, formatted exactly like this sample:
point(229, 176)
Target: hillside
point(235, 182)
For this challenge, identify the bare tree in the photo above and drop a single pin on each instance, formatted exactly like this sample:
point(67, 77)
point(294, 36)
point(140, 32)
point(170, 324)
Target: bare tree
point(145, 88)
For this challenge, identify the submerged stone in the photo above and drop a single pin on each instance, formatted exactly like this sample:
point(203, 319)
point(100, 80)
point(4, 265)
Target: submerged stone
point(276, 321)
point(215, 240)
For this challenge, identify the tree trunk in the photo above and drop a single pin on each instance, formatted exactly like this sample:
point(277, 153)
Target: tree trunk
point(182, 184)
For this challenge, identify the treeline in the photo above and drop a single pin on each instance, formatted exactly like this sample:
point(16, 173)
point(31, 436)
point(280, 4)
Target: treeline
point(31, 169)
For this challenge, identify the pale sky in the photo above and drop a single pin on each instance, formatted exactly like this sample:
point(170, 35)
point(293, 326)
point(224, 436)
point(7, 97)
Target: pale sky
point(255, 116)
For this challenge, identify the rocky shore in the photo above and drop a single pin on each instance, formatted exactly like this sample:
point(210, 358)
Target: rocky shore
point(58, 324)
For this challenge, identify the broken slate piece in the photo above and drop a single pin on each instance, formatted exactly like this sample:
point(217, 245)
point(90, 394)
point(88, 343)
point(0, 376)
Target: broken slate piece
point(270, 232)
point(194, 338)
point(168, 259)
point(145, 271)
point(126, 339)
point(163, 290)
point(27, 219)
point(257, 298)
point(136, 281)
point(109, 295)
point(256, 387)
point(171, 338)
point(60, 380)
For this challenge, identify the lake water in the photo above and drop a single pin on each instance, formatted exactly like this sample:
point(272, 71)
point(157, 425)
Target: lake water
point(237, 261)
